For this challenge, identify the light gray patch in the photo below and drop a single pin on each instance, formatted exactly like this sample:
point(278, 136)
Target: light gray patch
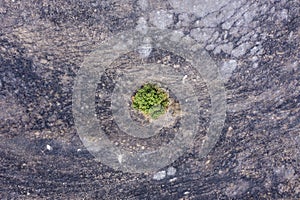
point(142, 26)
point(161, 19)
point(241, 50)
point(257, 50)
point(143, 4)
point(283, 15)
point(159, 175)
point(227, 68)
point(184, 20)
point(255, 65)
point(226, 48)
point(145, 50)
point(250, 13)
point(171, 171)
point(211, 20)
point(237, 189)
point(210, 47)
point(290, 66)
point(202, 34)
point(198, 7)
point(284, 172)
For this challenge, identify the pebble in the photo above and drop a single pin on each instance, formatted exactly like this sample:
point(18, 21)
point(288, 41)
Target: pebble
point(159, 175)
point(48, 147)
point(171, 171)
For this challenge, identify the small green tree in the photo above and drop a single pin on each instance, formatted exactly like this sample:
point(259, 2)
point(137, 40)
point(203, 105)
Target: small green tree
point(151, 100)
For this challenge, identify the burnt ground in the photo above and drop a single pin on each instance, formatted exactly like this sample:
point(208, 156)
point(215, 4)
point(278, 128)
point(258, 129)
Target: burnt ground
point(254, 43)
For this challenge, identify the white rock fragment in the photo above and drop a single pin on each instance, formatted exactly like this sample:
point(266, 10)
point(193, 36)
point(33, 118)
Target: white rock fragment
point(172, 180)
point(171, 171)
point(184, 78)
point(161, 19)
point(159, 175)
point(255, 65)
point(48, 147)
point(120, 158)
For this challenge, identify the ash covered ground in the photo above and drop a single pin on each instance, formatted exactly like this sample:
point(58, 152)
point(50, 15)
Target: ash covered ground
point(256, 47)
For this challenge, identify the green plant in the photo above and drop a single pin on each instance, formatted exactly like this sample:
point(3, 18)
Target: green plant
point(151, 100)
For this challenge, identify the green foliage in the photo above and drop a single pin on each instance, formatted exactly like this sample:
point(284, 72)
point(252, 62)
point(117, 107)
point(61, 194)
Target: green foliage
point(151, 100)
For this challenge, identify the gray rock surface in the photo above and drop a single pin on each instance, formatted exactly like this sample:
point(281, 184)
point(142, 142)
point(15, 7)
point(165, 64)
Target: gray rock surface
point(256, 46)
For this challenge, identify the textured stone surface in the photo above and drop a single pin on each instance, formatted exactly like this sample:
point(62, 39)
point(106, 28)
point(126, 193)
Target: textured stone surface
point(255, 44)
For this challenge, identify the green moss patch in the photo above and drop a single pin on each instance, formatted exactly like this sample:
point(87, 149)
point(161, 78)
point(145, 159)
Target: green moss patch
point(151, 100)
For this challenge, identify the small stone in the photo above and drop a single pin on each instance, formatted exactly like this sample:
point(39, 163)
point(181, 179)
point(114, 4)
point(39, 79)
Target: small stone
point(207, 162)
point(120, 158)
point(229, 132)
point(37, 133)
point(171, 171)
point(184, 78)
point(48, 147)
point(172, 180)
point(159, 175)
point(43, 61)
